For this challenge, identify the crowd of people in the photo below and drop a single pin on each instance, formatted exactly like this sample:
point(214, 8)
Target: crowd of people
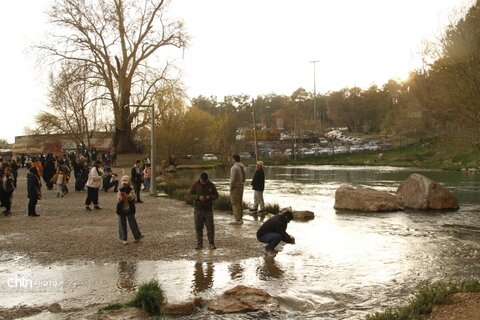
point(93, 174)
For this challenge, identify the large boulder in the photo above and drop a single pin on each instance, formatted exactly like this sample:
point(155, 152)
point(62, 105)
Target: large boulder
point(243, 299)
point(366, 199)
point(420, 192)
point(303, 215)
point(182, 309)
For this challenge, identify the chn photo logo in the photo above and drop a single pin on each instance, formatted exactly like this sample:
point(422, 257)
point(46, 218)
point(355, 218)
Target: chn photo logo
point(30, 283)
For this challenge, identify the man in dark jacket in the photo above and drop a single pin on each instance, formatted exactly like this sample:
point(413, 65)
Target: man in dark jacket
point(33, 191)
point(203, 192)
point(274, 230)
point(137, 179)
point(258, 185)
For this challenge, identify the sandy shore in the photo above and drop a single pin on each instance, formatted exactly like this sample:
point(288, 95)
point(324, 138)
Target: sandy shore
point(65, 231)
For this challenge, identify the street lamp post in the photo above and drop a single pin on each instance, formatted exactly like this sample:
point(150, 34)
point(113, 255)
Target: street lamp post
point(153, 139)
point(254, 130)
point(314, 93)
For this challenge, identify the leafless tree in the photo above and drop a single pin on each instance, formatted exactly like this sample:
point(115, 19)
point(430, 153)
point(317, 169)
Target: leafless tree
point(120, 42)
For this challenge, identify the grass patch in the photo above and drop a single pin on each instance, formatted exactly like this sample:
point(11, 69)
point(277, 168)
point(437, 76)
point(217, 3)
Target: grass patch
point(150, 297)
point(424, 300)
point(272, 208)
point(223, 203)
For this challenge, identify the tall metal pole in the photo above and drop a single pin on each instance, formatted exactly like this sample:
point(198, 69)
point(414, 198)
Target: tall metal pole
point(254, 130)
point(314, 93)
point(153, 139)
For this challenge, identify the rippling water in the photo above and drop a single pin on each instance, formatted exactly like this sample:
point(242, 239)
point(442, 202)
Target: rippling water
point(344, 265)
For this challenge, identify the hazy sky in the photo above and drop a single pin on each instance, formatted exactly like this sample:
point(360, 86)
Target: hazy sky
point(249, 47)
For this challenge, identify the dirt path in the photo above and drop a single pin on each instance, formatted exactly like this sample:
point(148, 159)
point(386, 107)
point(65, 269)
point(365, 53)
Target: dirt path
point(65, 231)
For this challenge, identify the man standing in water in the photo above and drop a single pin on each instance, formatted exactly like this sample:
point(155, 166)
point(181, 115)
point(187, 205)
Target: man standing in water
point(274, 230)
point(203, 193)
point(237, 183)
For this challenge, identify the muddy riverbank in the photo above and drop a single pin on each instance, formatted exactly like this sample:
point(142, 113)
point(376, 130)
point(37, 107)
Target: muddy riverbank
point(65, 231)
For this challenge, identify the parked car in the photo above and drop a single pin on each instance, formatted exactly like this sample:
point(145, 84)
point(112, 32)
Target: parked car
point(245, 155)
point(209, 157)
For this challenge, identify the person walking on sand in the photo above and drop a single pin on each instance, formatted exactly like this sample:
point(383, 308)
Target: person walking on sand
point(258, 185)
point(137, 179)
point(237, 183)
point(7, 186)
point(95, 177)
point(274, 230)
point(60, 179)
point(126, 211)
point(203, 192)
point(34, 192)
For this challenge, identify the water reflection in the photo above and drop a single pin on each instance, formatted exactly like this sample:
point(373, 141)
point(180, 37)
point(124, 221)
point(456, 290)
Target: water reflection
point(202, 277)
point(236, 271)
point(126, 275)
point(269, 269)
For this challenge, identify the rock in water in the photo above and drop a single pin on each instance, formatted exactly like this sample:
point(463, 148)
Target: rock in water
point(420, 192)
point(366, 199)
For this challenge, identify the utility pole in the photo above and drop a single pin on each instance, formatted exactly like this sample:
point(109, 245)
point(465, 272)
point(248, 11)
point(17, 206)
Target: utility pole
point(153, 140)
point(254, 130)
point(314, 94)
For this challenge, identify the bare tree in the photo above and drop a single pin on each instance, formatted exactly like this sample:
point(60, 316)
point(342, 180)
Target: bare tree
point(74, 104)
point(119, 40)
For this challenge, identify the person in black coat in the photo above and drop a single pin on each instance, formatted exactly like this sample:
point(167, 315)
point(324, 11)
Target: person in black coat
point(137, 179)
point(274, 230)
point(49, 171)
point(33, 191)
point(258, 185)
point(126, 211)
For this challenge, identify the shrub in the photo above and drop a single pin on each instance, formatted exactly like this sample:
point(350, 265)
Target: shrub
point(223, 203)
point(170, 188)
point(150, 296)
point(272, 208)
point(424, 300)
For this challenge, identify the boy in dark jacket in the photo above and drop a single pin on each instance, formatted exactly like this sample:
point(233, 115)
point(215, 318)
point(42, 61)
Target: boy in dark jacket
point(203, 192)
point(274, 230)
point(126, 211)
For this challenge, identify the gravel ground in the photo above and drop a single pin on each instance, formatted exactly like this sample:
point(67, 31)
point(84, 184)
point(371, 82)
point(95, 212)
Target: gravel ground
point(65, 231)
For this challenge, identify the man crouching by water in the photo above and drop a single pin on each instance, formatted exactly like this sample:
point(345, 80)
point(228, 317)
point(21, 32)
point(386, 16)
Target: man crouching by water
point(203, 192)
point(274, 230)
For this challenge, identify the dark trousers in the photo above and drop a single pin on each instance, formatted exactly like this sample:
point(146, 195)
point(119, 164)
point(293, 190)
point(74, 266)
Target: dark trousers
point(204, 218)
point(92, 196)
point(137, 186)
point(6, 197)
point(122, 226)
point(110, 184)
point(272, 239)
point(31, 206)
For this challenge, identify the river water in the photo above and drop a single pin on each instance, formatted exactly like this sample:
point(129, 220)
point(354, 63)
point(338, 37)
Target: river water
point(345, 265)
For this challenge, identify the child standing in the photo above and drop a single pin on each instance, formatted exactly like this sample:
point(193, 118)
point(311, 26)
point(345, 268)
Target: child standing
point(60, 179)
point(126, 211)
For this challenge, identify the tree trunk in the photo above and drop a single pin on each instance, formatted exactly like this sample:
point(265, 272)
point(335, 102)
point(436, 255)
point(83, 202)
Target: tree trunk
point(123, 140)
